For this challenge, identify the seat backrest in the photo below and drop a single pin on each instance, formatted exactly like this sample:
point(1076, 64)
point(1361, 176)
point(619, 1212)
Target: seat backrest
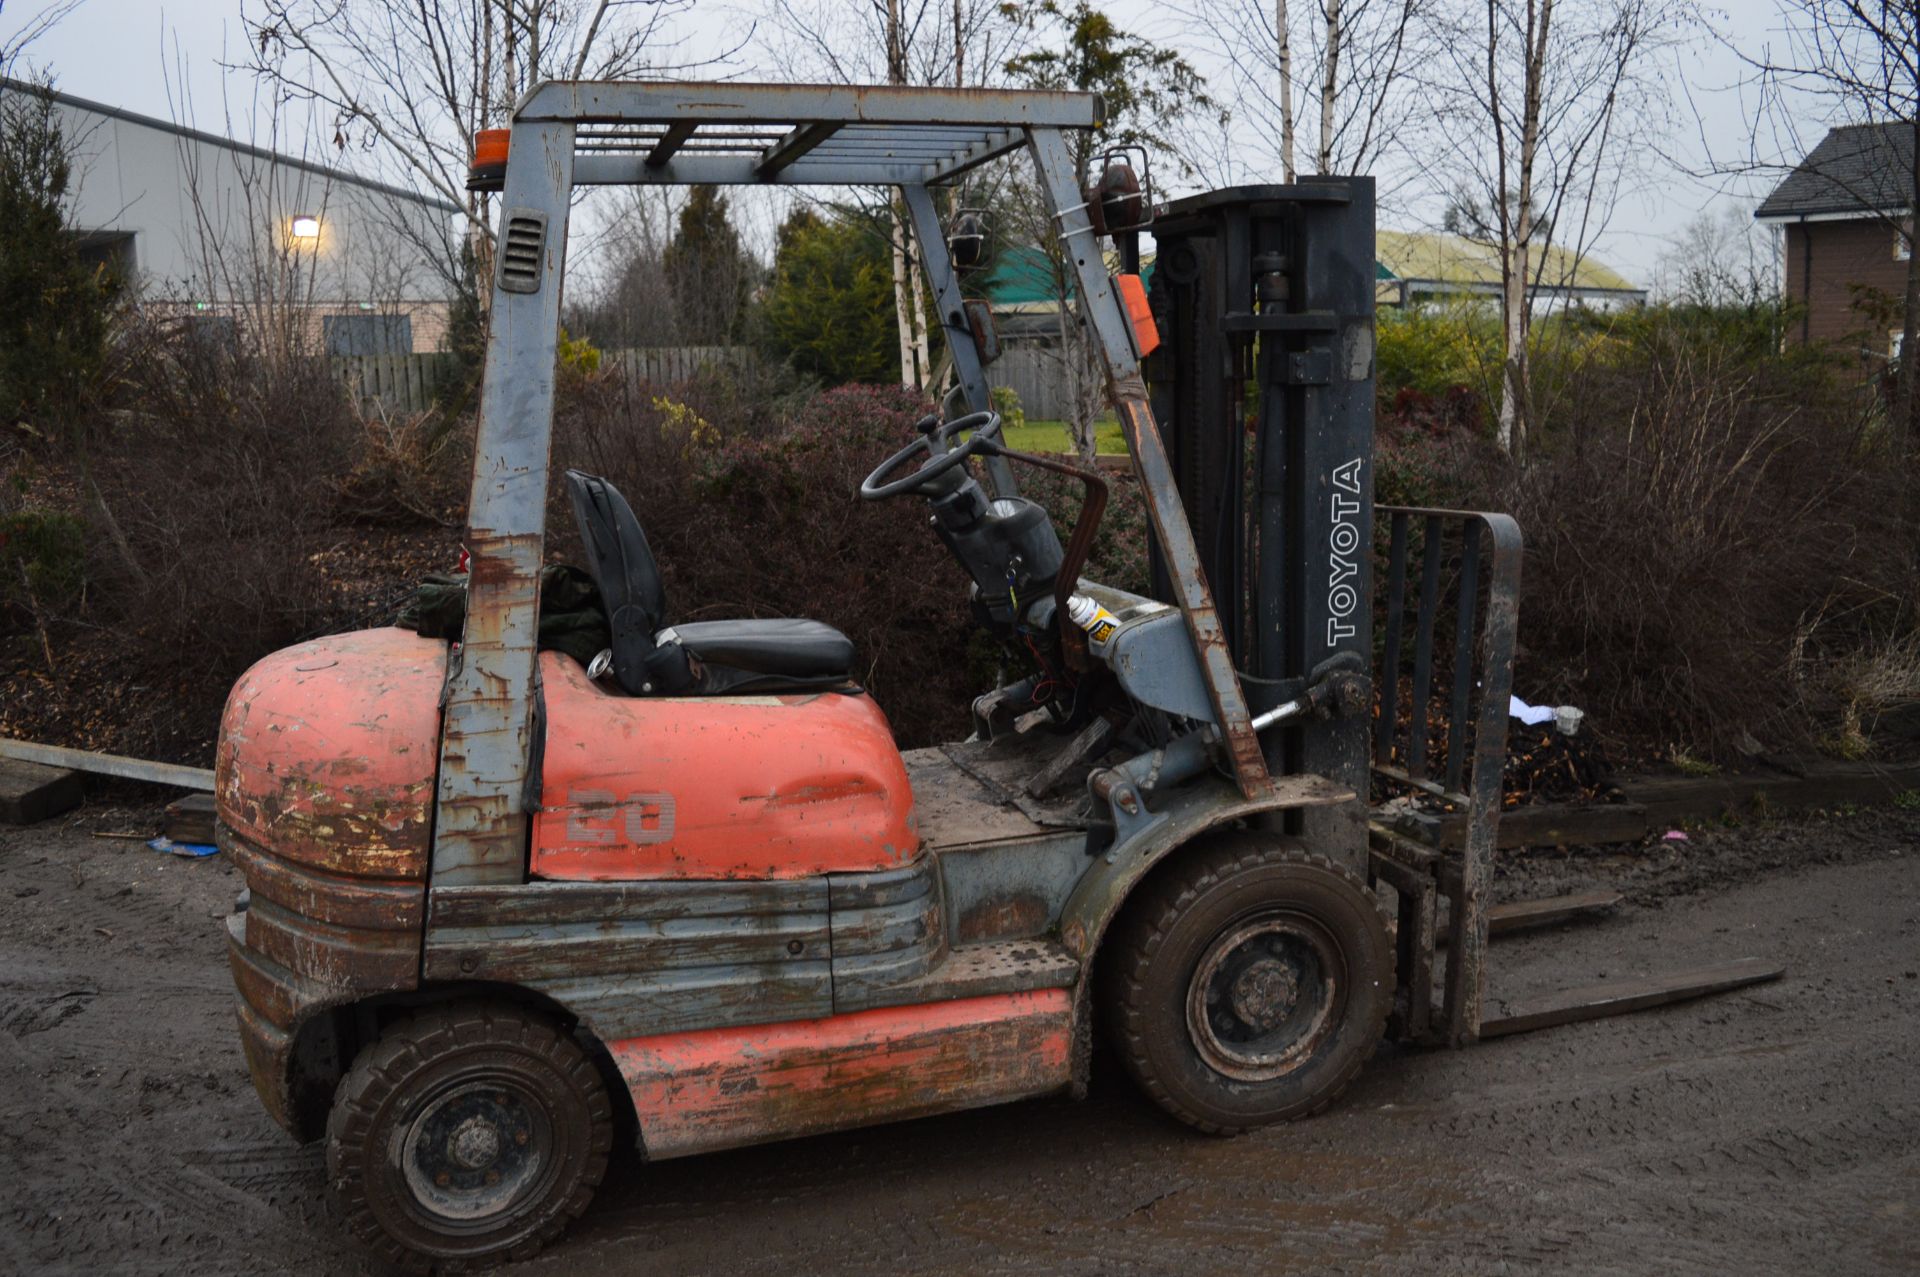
point(622, 565)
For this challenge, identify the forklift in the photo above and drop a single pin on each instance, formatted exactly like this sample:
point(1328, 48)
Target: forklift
point(501, 906)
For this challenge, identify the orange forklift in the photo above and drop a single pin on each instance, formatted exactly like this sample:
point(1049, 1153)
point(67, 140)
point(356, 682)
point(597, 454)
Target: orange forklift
point(500, 905)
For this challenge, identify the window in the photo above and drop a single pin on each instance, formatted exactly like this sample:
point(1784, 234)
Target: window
point(111, 250)
point(368, 334)
point(1894, 340)
point(1903, 240)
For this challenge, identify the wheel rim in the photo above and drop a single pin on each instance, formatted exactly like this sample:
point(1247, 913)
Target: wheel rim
point(475, 1151)
point(1265, 995)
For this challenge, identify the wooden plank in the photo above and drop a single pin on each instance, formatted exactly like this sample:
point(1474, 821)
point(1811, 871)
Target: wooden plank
point(190, 819)
point(32, 792)
point(1618, 997)
point(81, 760)
point(1548, 911)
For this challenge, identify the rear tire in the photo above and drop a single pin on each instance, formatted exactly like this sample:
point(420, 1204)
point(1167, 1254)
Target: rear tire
point(1248, 983)
point(466, 1135)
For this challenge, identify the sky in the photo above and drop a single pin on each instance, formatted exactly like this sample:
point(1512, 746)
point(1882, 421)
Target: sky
point(166, 59)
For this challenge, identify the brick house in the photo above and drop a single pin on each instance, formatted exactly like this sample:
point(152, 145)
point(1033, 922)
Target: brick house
point(1841, 211)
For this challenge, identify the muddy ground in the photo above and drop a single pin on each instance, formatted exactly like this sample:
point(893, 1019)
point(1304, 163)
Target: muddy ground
point(1773, 1130)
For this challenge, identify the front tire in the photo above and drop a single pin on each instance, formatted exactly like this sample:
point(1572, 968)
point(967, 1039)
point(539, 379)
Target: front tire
point(465, 1135)
point(1248, 983)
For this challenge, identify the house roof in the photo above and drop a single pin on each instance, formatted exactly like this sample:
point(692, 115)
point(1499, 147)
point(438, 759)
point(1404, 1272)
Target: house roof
point(214, 139)
point(1862, 169)
point(1021, 279)
point(1454, 261)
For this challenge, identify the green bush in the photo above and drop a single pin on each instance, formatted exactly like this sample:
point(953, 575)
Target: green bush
point(1435, 350)
point(43, 560)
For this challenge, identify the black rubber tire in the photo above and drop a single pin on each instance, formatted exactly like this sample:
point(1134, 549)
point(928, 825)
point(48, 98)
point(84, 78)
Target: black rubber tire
point(1156, 948)
point(395, 1079)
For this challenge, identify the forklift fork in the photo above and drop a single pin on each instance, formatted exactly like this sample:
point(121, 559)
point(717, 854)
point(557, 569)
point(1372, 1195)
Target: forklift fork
point(1442, 733)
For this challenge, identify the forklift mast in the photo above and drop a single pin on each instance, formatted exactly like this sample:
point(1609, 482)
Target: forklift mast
point(1263, 387)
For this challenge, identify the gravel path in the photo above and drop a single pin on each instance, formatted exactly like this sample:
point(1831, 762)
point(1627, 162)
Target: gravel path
point(1773, 1130)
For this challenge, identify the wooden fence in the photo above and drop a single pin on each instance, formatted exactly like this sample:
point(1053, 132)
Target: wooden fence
point(411, 383)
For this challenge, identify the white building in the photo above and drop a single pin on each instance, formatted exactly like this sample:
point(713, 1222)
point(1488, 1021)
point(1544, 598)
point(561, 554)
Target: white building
point(227, 233)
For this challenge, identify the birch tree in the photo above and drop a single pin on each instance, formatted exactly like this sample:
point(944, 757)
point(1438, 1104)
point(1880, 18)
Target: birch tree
point(1545, 108)
point(1356, 56)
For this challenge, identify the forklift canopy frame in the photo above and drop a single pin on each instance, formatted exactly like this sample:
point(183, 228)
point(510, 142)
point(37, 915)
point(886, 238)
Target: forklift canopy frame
point(567, 134)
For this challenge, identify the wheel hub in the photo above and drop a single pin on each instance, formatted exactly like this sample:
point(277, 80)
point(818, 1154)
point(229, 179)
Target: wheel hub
point(474, 1151)
point(1265, 995)
point(474, 1144)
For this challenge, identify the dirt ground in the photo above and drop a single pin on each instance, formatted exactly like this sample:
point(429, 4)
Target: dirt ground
point(1772, 1130)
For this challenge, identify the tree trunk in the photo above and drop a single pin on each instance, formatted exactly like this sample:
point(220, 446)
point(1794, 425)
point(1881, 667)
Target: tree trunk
point(1286, 88)
point(1905, 404)
point(902, 287)
point(1516, 401)
point(902, 306)
point(1328, 84)
point(924, 368)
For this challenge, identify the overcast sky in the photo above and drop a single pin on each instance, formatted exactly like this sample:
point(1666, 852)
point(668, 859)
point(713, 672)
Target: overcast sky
point(165, 59)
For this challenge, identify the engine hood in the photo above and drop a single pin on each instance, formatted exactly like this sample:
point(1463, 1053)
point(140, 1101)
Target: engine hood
point(328, 751)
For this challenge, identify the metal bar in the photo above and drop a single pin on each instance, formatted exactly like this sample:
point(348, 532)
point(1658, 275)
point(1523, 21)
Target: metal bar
point(580, 101)
point(671, 141)
point(790, 148)
point(480, 825)
point(1101, 310)
point(1421, 783)
point(1466, 608)
point(1423, 648)
point(1389, 723)
point(1466, 969)
point(951, 311)
point(602, 169)
point(987, 148)
point(83, 760)
point(1617, 997)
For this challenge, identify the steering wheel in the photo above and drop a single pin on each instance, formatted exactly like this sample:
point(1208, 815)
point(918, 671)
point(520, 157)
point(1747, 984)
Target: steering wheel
point(935, 441)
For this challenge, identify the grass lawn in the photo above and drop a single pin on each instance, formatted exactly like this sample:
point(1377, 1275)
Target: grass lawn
point(1052, 436)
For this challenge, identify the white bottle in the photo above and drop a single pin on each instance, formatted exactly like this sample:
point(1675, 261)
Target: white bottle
point(1091, 617)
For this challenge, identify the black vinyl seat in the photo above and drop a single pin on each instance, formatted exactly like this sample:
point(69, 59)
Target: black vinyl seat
point(785, 647)
point(709, 658)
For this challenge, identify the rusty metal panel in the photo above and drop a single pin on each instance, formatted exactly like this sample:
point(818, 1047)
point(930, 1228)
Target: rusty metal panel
point(1184, 813)
point(1010, 890)
point(725, 1088)
point(644, 957)
point(480, 832)
point(888, 928)
point(1101, 309)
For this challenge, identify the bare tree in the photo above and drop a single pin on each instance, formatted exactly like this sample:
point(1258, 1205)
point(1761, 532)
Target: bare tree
point(1358, 53)
point(45, 18)
point(1860, 59)
point(1545, 108)
point(410, 81)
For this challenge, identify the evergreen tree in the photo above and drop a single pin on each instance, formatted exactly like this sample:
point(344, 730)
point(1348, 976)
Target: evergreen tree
point(54, 306)
point(707, 271)
point(829, 310)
